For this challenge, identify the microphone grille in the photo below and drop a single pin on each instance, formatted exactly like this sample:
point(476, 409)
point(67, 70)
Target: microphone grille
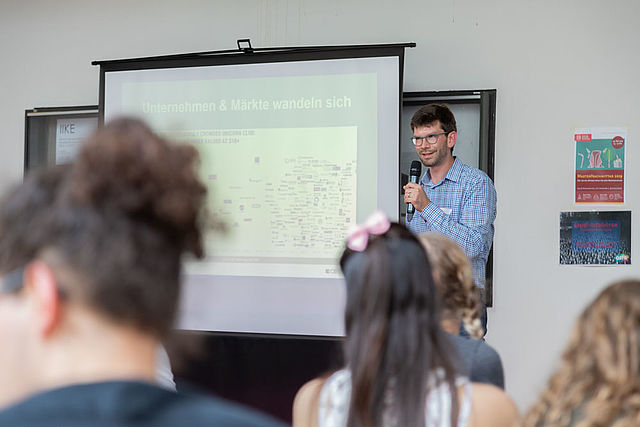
point(416, 167)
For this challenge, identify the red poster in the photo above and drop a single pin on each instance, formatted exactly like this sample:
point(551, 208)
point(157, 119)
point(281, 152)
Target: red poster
point(600, 165)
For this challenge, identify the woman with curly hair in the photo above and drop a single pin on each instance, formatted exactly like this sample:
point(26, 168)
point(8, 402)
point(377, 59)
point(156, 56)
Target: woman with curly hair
point(90, 264)
point(598, 382)
point(454, 280)
point(401, 368)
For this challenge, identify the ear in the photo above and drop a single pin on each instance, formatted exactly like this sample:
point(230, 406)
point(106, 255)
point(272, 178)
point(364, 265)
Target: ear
point(42, 290)
point(452, 138)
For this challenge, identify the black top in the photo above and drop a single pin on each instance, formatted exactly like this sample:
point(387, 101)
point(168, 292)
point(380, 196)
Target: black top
point(481, 362)
point(127, 403)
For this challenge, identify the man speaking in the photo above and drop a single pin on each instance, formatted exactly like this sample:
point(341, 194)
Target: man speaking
point(452, 198)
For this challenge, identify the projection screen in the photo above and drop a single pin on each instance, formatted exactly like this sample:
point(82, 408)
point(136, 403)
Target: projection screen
point(293, 150)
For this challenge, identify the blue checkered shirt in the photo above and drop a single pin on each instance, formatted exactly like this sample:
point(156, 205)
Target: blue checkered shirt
point(463, 207)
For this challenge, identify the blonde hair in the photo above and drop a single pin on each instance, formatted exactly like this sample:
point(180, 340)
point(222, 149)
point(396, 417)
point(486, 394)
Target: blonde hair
point(454, 280)
point(598, 382)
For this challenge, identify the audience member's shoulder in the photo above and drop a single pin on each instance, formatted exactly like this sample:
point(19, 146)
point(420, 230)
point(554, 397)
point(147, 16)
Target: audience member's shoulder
point(199, 410)
point(128, 403)
point(305, 405)
point(485, 352)
point(482, 361)
point(490, 406)
point(191, 408)
point(470, 347)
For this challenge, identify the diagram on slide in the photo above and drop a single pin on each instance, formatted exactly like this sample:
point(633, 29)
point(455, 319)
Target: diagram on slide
point(286, 195)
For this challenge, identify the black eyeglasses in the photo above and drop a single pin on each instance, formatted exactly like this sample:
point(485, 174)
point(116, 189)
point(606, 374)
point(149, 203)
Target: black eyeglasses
point(12, 281)
point(431, 138)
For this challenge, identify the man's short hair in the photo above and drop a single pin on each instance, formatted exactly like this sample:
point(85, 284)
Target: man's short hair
point(431, 113)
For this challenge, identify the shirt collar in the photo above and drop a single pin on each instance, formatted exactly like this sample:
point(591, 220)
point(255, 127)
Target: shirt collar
point(453, 174)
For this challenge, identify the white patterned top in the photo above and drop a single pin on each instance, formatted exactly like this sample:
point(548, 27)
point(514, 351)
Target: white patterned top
point(335, 397)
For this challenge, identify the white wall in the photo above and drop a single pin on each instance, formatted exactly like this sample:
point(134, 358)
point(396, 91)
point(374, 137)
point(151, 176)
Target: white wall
point(556, 65)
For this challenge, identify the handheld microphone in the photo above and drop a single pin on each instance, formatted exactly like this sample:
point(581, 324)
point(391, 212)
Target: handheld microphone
point(414, 175)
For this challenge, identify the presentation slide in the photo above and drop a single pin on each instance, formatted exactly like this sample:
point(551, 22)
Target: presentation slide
point(292, 153)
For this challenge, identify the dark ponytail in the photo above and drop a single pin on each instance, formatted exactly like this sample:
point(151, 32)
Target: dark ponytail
point(394, 341)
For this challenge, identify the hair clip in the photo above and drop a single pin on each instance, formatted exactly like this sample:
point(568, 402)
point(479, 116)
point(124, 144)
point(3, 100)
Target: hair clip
point(358, 237)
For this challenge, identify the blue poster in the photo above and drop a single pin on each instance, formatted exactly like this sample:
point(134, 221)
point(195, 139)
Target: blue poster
point(595, 238)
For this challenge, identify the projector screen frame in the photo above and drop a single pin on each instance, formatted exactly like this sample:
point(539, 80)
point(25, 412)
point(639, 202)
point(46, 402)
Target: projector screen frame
point(257, 57)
